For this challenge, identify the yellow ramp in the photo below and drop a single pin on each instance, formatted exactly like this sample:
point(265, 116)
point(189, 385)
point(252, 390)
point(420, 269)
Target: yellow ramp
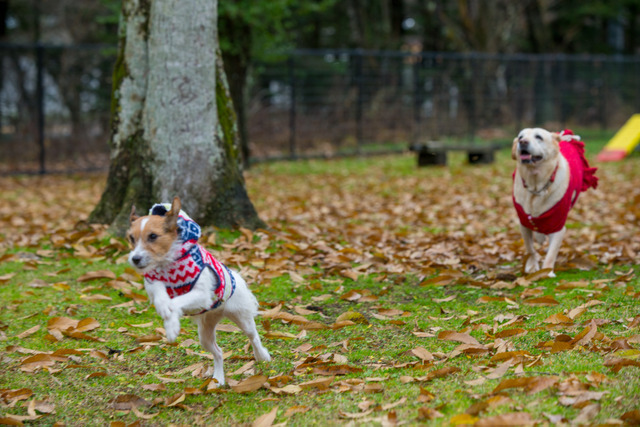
point(623, 142)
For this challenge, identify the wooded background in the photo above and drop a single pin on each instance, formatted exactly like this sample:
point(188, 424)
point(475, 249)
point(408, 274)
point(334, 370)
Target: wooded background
point(326, 77)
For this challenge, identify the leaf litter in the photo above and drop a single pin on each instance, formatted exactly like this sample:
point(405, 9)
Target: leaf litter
point(346, 246)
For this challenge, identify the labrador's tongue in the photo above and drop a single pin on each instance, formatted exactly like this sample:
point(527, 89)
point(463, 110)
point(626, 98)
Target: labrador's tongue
point(525, 156)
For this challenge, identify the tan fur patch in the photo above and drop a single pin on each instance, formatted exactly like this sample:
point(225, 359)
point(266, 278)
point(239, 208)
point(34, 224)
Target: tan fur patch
point(154, 237)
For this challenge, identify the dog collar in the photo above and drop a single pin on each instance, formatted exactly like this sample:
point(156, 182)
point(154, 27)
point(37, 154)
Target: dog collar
point(546, 186)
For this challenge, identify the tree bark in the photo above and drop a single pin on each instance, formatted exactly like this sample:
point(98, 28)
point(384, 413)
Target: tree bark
point(173, 130)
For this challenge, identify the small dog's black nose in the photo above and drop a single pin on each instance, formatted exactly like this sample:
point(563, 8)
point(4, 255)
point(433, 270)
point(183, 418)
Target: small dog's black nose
point(136, 259)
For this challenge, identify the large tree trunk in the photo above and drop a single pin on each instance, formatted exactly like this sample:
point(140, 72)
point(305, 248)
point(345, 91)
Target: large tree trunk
point(173, 127)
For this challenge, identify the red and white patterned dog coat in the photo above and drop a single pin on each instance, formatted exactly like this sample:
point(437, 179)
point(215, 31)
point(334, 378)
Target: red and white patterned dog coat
point(180, 277)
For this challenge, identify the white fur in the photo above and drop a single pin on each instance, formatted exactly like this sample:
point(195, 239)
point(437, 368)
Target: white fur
point(240, 308)
point(534, 198)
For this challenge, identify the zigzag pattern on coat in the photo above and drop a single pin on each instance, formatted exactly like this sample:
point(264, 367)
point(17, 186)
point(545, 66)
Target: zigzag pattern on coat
point(180, 277)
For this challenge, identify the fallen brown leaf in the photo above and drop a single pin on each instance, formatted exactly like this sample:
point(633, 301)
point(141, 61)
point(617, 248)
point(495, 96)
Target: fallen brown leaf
point(422, 354)
point(510, 419)
point(93, 275)
point(530, 384)
point(250, 384)
point(541, 301)
point(266, 420)
point(443, 372)
point(558, 318)
point(587, 414)
point(126, 402)
point(319, 383)
point(28, 332)
point(298, 409)
point(457, 336)
point(426, 413)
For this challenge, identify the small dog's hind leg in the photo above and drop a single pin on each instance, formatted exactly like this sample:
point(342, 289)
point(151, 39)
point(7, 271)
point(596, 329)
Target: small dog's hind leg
point(248, 325)
point(207, 323)
point(555, 240)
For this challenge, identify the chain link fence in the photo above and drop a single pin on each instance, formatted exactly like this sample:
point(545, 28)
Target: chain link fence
point(331, 102)
point(55, 101)
point(54, 107)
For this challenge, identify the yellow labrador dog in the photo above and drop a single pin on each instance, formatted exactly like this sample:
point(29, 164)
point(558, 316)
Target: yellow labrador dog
point(551, 172)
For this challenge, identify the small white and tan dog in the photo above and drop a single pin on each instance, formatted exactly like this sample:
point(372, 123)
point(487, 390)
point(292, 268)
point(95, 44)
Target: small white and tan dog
point(551, 172)
point(182, 278)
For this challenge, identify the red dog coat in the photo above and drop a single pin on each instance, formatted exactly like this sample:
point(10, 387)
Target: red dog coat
point(581, 178)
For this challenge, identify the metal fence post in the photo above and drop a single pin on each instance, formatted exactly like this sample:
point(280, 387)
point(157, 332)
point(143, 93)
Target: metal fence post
point(471, 102)
point(605, 76)
point(564, 86)
point(292, 107)
point(40, 104)
point(360, 100)
point(417, 98)
point(540, 92)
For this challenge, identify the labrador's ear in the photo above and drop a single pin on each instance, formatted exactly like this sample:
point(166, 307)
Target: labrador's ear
point(171, 218)
point(556, 138)
point(514, 149)
point(132, 215)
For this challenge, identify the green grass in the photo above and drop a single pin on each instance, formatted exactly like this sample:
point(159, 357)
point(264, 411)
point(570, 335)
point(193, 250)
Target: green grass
point(375, 347)
point(40, 282)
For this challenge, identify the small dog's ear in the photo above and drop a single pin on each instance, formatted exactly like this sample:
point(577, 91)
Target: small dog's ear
point(514, 149)
point(171, 218)
point(132, 215)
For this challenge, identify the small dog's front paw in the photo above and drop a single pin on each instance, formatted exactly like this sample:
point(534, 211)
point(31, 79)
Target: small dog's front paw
point(172, 328)
point(164, 310)
point(552, 274)
point(262, 355)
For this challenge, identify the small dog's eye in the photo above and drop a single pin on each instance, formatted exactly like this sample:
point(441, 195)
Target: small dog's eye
point(132, 239)
point(152, 237)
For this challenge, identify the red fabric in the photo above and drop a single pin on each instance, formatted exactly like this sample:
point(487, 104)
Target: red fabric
point(582, 177)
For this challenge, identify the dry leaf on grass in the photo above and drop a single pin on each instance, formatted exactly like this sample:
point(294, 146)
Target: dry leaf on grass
point(530, 384)
point(266, 420)
point(510, 419)
point(422, 354)
point(93, 275)
point(545, 301)
point(250, 384)
point(28, 332)
point(319, 383)
point(457, 336)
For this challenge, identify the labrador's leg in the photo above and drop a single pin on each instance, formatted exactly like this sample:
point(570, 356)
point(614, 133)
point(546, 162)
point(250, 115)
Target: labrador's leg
point(555, 241)
point(533, 261)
